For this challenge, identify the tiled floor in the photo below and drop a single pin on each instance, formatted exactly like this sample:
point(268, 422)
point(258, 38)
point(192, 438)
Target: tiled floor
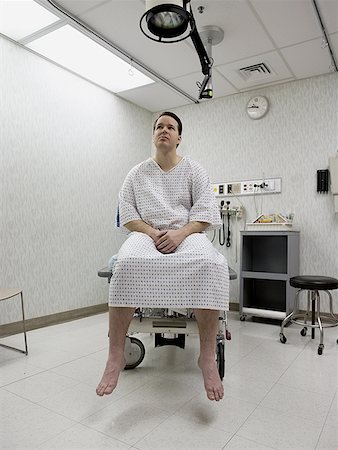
point(276, 396)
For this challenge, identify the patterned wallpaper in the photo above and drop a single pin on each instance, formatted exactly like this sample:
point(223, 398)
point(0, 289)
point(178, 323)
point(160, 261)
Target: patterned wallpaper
point(66, 146)
point(298, 135)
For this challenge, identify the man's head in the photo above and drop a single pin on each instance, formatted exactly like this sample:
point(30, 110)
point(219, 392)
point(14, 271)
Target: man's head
point(173, 115)
point(167, 129)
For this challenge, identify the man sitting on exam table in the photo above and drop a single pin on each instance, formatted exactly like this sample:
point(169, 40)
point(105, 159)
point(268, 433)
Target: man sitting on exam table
point(167, 261)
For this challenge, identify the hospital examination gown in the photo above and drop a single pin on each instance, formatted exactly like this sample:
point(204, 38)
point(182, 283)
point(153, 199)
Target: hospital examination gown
point(196, 274)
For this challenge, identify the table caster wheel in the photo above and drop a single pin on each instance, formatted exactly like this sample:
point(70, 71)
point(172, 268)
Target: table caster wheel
point(320, 349)
point(135, 354)
point(242, 318)
point(303, 331)
point(227, 335)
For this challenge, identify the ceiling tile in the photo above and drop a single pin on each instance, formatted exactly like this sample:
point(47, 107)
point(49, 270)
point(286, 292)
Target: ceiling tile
point(243, 34)
point(308, 59)
point(272, 60)
point(334, 45)
point(155, 97)
point(288, 21)
point(329, 12)
point(76, 7)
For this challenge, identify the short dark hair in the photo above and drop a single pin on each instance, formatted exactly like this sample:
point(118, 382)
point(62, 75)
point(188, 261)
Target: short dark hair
point(173, 115)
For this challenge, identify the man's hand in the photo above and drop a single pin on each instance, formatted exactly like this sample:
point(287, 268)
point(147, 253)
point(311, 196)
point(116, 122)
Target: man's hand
point(169, 240)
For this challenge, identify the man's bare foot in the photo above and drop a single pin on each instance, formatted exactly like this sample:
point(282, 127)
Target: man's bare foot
point(110, 375)
point(212, 381)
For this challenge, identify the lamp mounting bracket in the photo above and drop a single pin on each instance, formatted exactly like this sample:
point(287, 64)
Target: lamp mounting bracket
point(211, 34)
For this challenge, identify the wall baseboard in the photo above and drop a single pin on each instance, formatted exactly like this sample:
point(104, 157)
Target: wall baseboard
point(52, 319)
point(66, 316)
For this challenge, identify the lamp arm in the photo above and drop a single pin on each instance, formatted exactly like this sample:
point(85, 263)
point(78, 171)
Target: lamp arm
point(206, 63)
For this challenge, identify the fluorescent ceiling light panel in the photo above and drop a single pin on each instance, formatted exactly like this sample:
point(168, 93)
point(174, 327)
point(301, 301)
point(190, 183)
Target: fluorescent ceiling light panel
point(77, 52)
point(20, 18)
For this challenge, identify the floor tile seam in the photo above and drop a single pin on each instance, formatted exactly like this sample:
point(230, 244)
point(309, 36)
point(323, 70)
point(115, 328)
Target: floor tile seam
point(271, 388)
point(156, 426)
point(184, 418)
point(260, 403)
point(248, 439)
point(113, 437)
point(227, 442)
point(39, 403)
point(67, 362)
point(21, 408)
point(82, 420)
point(24, 378)
point(302, 389)
point(134, 390)
point(49, 408)
point(54, 372)
point(74, 422)
point(262, 443)
point(61, 390)
point(327, 415)
point(103, 433)
point(58, 434)
point(216, 428)
point(165, 377)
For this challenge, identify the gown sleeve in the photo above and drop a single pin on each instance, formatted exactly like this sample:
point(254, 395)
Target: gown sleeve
point(204, 206)
point(127, 209)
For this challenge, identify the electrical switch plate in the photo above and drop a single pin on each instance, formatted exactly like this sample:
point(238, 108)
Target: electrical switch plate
point(250, 187)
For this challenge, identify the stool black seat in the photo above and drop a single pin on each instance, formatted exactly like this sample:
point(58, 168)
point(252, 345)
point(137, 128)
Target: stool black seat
point(312, 284)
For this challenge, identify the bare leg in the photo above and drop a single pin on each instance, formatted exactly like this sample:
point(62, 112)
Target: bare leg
point(207, 321)
point(119, 320)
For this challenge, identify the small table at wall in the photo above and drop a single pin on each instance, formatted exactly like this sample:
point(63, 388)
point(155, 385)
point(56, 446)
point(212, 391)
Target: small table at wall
point(7, 294)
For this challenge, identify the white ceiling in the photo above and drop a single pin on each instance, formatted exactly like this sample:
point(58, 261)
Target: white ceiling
point(284, 34)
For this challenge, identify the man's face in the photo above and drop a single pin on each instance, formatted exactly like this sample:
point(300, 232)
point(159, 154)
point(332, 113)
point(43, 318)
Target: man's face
point(166, 133)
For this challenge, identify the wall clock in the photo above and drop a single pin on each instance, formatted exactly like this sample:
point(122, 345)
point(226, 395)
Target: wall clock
point(257, 107)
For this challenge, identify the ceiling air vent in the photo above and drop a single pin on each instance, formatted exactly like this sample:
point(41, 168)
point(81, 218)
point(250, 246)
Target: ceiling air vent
point(259, 71)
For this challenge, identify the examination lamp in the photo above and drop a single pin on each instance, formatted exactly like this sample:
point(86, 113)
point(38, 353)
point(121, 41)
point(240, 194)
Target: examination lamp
point(169, 22)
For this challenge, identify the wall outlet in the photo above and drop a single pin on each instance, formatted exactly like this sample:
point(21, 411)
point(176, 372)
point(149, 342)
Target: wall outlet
point(250, 187)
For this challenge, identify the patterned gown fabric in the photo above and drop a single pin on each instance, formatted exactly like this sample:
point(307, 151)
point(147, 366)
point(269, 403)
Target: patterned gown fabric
point(196, 274)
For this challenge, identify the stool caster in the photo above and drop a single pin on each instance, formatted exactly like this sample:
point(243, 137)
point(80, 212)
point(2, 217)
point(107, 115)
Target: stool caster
point(227, 335)
point(320, 349)
point(303, 331)
point(242, 318)
point(282, 338)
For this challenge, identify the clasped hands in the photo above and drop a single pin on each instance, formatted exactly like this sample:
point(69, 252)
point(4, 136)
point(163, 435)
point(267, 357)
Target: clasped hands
point(166, 241)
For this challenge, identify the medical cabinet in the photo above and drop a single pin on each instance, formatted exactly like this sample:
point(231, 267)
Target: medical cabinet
point(268, 260)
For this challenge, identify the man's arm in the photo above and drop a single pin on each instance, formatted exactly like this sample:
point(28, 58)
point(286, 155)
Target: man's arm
point(142, 227)
point(167, 241)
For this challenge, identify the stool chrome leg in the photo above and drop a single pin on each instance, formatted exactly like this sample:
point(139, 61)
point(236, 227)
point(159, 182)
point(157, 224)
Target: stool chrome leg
point(289, 317)
point(313, 316)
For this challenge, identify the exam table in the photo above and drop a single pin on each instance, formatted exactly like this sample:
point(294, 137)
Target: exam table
point(170, 326)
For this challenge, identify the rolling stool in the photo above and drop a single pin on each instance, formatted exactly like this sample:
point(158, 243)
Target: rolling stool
point(312, 284)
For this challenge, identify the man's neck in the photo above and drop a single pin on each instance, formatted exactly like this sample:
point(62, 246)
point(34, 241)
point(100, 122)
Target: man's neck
point(167, 160)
